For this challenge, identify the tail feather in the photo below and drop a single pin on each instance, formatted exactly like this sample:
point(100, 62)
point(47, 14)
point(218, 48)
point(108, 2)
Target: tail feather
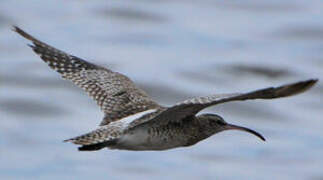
point(96, 139)
point(95, 147)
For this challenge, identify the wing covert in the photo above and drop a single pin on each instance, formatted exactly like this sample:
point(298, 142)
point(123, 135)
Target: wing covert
point(116, 95)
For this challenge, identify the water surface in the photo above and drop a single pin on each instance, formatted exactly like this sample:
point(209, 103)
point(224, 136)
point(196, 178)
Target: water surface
point(174, 50)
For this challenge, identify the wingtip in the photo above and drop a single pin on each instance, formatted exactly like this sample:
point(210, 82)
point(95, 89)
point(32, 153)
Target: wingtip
point(14, 28)
point(313, 81)
point(296, 88)
point(309, 83)
point(23, 33)
point(17, 29)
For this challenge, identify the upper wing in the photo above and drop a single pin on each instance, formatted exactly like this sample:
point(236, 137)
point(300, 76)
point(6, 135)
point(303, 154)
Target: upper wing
point(115, 93)
point(191, 107)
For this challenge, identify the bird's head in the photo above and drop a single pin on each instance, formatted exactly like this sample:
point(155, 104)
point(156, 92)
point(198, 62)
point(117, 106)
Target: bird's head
point(213, 124)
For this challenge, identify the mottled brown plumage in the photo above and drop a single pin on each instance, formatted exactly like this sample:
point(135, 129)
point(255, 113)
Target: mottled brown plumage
point(132, 120)
point(116, 94)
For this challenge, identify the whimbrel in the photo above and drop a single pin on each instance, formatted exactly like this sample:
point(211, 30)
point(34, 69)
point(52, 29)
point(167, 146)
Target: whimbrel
point(132, 120)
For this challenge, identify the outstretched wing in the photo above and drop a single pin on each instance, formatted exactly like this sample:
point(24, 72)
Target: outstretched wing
point(192, 106)
point(115, 93)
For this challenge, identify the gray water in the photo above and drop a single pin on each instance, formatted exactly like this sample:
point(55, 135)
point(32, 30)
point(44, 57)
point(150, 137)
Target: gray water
point(174, 50)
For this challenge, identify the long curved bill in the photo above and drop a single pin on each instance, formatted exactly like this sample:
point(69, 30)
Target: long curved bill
point(235, 127)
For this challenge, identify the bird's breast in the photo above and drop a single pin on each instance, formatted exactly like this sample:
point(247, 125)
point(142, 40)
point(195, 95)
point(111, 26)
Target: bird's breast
point(156, 138)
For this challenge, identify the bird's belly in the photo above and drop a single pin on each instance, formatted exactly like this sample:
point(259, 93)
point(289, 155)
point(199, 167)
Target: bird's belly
point(143, 141)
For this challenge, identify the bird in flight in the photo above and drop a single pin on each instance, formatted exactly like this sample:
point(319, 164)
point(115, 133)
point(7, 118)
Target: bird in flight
point(132, 120)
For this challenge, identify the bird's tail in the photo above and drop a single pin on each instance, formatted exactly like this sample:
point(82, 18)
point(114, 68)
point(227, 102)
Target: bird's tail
point(94, 140)
point(95, 147)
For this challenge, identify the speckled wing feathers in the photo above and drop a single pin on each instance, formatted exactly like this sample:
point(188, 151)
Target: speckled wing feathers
point(116, 95)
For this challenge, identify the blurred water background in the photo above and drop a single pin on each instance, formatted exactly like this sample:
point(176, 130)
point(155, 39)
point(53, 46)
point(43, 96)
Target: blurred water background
point(174, 50)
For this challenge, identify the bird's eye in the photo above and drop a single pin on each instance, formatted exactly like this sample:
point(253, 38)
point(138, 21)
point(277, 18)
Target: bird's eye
point(221, 123)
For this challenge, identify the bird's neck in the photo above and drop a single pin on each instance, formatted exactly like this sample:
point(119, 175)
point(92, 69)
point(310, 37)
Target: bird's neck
point(197, 131)
point(207, 129)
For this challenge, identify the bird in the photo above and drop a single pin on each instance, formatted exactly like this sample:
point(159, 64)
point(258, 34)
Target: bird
point(132, 120)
